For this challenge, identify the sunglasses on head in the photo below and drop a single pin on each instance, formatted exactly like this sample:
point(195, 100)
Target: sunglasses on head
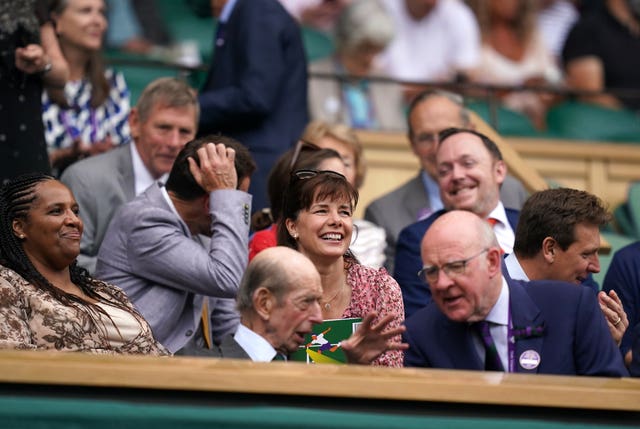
point(308, 174)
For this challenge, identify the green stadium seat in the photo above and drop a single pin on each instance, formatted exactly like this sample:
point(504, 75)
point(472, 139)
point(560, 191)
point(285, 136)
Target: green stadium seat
point(509, 122)
point(574, 120)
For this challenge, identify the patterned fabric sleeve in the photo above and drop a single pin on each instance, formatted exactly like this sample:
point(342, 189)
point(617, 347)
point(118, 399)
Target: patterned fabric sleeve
point(14, 329)
point(117, 108)
point(375, 290)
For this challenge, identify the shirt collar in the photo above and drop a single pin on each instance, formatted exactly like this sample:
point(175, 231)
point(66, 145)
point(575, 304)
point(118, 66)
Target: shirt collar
point(226, 10)
point(433, 192)
point(141, 176)
point(499, 314)
point(258, 348)
point(516, 272)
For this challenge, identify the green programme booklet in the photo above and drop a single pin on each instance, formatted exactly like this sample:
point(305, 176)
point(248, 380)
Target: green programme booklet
point(322, 345)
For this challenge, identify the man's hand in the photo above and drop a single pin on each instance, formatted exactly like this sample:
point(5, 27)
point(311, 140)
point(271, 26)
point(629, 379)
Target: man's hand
point(370, 341)
point(614, 314)
point(217, 169)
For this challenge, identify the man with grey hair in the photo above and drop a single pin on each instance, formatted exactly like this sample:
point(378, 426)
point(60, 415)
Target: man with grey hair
point(279, 302)
point(163, 121)
point(431, 112)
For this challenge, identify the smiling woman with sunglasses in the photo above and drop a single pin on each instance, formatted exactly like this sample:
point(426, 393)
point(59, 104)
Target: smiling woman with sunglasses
point(48, 302)
point(317, 221)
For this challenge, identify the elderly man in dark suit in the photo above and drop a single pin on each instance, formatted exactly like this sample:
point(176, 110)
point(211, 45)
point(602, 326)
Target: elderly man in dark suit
point(470, 172)
point(256, 88)
point(174, 247)
point(163, 121)
point(480, 320)
point(279, 302)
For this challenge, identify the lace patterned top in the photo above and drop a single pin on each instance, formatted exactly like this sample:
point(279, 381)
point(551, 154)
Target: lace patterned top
point(32, 319)
point(375, 290)
point(90, 125)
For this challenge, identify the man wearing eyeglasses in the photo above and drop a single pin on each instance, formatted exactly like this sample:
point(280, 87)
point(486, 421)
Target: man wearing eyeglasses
point(470, 172)
point(431, 112)
point(480, 320)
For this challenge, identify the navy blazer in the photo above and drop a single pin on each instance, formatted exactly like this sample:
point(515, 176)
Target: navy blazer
point(416, 293)
point(256, 87)
point(623, 276)
point(575, 341)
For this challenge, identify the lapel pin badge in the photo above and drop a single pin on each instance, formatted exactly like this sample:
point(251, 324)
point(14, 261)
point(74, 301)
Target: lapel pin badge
point(529, 359)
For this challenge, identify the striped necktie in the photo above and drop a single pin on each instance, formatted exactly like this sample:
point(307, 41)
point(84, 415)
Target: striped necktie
point(491, 358)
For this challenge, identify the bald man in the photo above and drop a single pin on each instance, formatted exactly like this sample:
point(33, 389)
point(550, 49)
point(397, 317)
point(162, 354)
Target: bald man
point(279, 302)
point(479, 320)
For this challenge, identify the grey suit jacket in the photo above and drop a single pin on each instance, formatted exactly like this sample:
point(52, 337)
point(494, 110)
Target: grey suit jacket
point(149, 252)
point(326, 101)
point(100, 184)
point(229, 348)
point(400, 207)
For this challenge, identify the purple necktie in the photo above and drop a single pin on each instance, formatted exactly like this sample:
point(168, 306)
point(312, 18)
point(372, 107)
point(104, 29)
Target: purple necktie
point(491, 358)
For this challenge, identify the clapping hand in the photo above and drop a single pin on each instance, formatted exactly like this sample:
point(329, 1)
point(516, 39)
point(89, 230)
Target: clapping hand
point(371, 340)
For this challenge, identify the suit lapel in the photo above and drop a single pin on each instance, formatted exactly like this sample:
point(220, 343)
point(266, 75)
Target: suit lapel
point(418, 199)
point(524, 312)
point(458, 339)
point(231, 349)
point(126, 177)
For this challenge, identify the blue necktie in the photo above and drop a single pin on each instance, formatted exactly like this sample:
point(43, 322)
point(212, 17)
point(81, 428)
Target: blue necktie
point(491, 358)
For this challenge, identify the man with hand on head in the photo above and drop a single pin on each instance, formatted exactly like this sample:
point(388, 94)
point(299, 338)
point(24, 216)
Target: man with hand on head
point(470, 171)
point(163, 121)
point(480, 320)
point(173, 247)
point(279, 302)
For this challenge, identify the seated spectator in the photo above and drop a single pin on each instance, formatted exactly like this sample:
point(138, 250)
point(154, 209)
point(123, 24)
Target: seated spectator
point(279, 302)
point(623, 280)
point(173, 247)
point(304, 156)
point(363, 30)
point(425, 48)
point(90, 115)
point(602, 52)
point(514, 54)
point(368, 242)
point(163, 121)
point(431, 112)
point(48, 302)
point(319, 14)
point(317, 221)
point(482, 320)
point(558, 238)
point(470, 172)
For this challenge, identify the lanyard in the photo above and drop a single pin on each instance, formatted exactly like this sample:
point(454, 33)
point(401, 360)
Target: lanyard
point(74, 132)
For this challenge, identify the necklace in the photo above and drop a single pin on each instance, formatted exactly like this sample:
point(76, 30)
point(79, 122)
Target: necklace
point(327, 304)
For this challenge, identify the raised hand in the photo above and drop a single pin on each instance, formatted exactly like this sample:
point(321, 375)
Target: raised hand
point(371, 340)
point(217, 167)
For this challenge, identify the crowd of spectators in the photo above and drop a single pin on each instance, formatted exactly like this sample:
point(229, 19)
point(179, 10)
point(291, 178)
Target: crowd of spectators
point(149, 246)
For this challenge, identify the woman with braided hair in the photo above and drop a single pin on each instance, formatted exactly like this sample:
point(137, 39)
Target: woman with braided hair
point(46, 300)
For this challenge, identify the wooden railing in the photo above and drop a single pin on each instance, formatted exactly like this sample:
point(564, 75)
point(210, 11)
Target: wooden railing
point(55, 370)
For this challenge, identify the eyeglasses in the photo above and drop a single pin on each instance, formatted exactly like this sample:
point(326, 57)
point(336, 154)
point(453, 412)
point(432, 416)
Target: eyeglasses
point(430, 274)
point(308, 174)
point(427, 139)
